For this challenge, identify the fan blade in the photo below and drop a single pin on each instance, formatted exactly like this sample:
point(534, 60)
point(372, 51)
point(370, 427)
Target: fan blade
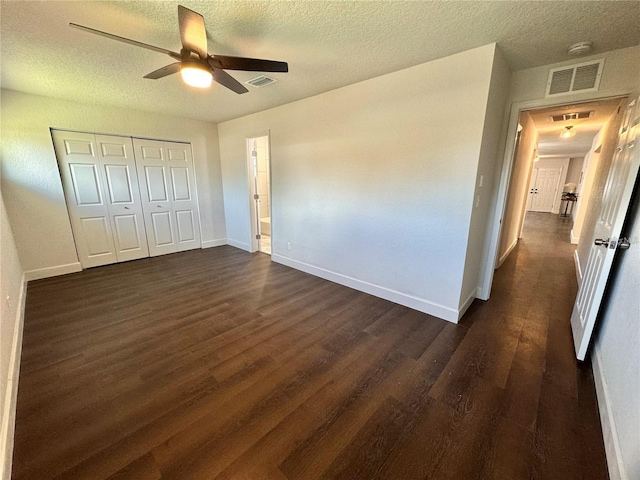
point(164, 71)
point(249, 64)
point(192, 31)
point(126, 40)
point(223, 78)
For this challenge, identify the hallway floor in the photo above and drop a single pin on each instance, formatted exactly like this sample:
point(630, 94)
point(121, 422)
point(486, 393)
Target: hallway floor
point(219, 364)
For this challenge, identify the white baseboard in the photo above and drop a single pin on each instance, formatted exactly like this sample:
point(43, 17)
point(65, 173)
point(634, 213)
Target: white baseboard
point(467, 303)
point(214, 243)
point(11, 393)
point(506, 254)
point(39, 273)
point(574, 240)
point(617, 470)
point(576, 260)
point(240, 245)
point(450, 314)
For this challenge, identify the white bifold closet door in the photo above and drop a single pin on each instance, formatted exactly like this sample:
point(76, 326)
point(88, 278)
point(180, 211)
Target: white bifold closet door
point(101, 189)
point(167, 189)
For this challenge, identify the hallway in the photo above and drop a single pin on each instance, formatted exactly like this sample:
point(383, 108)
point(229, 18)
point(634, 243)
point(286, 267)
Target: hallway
point(550, 393)
point(223, 365)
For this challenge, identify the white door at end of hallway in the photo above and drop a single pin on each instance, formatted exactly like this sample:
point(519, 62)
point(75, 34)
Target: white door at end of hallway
point(607, 237)
point(544, 188)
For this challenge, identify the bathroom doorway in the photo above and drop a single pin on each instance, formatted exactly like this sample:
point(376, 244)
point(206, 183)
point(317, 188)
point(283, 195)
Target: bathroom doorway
point(260, 179)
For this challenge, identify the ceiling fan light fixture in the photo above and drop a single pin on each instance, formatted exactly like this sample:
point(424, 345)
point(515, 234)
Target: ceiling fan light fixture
point(196, 75)
point(568, 132)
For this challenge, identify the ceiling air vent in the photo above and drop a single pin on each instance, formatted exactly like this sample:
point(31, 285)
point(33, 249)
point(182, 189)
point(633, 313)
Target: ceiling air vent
point(582, 77)
point(571, 116)
point(261, 81)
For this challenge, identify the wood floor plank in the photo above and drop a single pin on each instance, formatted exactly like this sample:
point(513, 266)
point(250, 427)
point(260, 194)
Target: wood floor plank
point(222, 364)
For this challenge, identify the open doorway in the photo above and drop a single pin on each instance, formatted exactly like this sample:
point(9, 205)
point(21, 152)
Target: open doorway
point(260, 179)
point(556, 157)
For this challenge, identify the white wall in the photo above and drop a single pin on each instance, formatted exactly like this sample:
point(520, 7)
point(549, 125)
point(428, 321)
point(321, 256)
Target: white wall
point(517, 195)
point(617, 360)
point(31, 181)
point(373, 183)
point(589, 168)
point(477, 257)
point(12, 294)
point(575, 170)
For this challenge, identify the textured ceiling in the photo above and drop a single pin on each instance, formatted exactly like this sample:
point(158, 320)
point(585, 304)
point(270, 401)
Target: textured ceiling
point(327, 44)
point(551, 145)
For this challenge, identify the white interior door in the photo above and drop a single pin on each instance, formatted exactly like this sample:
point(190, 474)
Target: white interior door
point(545, 188)
point(169, 200)
point(615, 204)
point(123, 196)
point(86, 197)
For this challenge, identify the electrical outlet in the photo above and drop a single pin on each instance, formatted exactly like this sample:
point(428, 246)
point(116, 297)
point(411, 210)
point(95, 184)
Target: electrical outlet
point(288, 245)
point(9, 301)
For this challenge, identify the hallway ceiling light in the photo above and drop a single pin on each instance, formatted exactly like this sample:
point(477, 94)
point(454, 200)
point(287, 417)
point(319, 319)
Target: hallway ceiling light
point(568, 132)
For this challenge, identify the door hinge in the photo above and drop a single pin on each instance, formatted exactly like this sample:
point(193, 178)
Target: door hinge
point(257, 237)
point(256, 196)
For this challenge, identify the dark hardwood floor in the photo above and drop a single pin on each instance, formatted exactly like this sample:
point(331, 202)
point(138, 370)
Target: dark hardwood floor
point(218, 364)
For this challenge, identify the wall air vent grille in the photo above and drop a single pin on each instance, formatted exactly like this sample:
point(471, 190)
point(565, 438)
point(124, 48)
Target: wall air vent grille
point(572, 79)
point(261, 81)
point(571, 116)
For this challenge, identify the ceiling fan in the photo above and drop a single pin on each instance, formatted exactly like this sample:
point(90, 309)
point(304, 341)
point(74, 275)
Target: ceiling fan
point(195, 65)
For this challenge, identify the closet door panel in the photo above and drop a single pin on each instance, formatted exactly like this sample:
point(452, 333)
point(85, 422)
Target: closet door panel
point(86, 197)
point(162, 228)
point(128, 234)
point(180, 184)
point(156, 183)
point(156, 193)
point(184, 200)
point(85, 181)
point(124, 202)
point(119, 184)
point(185, 226)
